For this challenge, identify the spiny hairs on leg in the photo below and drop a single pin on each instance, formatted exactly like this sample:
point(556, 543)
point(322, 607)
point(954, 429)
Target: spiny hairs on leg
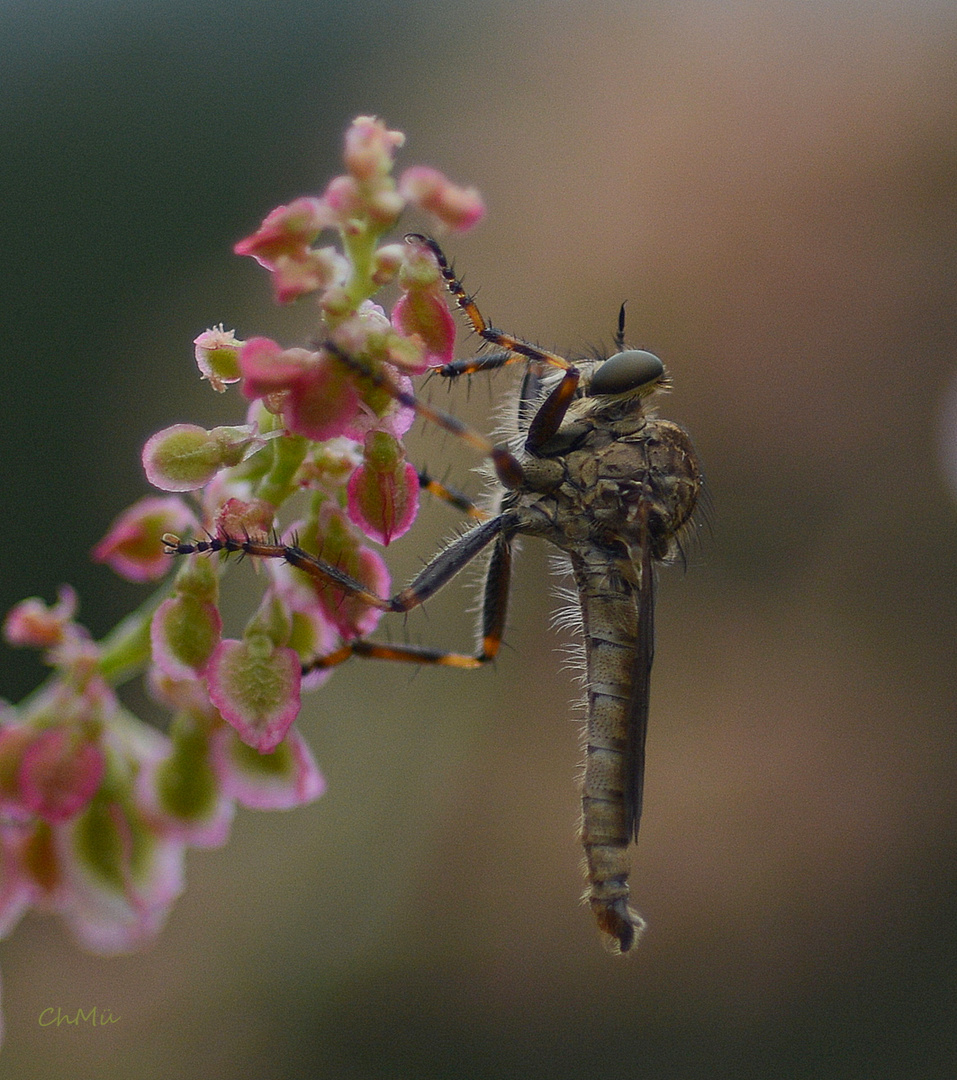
point(516, 348)
point(229, 545)
point(260, 547)
point(323, 572)
point(506, 467)
point(429, 580)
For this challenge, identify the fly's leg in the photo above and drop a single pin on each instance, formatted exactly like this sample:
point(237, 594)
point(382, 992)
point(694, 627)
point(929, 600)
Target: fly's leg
point(324, 572)
point(515, 348)
point(506, 465)
point(476, 364)
point(455, 498)
point(549, 417)
point(438, 572)
point(429, 581)
point(494, 611)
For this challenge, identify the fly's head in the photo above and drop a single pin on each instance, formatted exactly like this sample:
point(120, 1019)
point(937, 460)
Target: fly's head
point(613, 395)
point(620, 386)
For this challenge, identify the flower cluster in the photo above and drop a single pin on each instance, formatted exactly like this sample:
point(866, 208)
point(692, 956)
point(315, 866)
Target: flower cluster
point(98, 808)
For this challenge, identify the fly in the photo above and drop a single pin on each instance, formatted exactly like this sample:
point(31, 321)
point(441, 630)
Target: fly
point(597, 473)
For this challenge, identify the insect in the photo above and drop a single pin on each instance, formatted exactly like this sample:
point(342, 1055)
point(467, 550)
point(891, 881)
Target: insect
point(599, 475)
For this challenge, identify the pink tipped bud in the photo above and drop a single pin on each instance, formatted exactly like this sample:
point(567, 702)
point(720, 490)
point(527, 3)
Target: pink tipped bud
point(185, 457)
point(422, 311)
point(295, 277)
point(383, 493)
point(342, 198)
point(286, 232)
point(387, 262)
point(286, 778)
point(385, 205)
point(217, 357)
point(255, 685)
point(457, 207)
point(134, 547)
point(59, 774)
point(184, 631)
point(370, 148)
point(35, 624)
point(282, 245)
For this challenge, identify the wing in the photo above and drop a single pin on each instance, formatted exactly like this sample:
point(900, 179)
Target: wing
point(640, 693)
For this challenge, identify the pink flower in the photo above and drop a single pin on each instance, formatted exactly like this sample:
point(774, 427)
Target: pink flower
point(115, 878)
point(59, 774)
point(255, 685)
point(342, 199)
point(370, 148)
point(383, 493)
point(285, 231)
point(282, 244)
point(269, 369)
point(387, 262)
point(322, 402)
point(286, 778)
point(319, 396)
point(134, 547)
point(35, 624)
point(457, 207)
point(423, 312)
point(217, 357)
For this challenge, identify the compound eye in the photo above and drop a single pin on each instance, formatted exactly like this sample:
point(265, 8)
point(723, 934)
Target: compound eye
point(629, 370)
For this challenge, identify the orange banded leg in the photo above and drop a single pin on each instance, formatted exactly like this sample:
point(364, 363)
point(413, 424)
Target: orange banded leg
point(427, 582)
point(319, 569)
point(476, 364)
point(549, 417)
point(494, 610)
point(518, 347)
point(455, 498)
point(506, 465)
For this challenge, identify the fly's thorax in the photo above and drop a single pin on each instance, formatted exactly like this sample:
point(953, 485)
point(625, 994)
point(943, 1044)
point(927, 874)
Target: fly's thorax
point(619, 483)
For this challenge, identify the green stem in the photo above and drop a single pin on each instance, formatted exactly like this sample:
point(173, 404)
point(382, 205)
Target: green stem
point(280, 482)
point(360, 247)
point(125, 651)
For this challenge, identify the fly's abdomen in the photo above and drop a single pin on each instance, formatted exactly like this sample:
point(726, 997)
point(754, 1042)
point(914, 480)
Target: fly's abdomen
point(609, 613)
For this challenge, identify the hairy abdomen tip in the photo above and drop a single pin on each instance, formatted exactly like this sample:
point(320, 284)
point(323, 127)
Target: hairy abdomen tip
point(623, 925)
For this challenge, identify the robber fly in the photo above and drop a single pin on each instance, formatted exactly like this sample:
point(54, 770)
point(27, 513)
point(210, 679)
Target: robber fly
point(595, 472)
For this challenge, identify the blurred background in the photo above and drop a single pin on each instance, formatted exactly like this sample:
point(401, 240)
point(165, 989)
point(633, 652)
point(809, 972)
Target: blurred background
point(772, 187)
